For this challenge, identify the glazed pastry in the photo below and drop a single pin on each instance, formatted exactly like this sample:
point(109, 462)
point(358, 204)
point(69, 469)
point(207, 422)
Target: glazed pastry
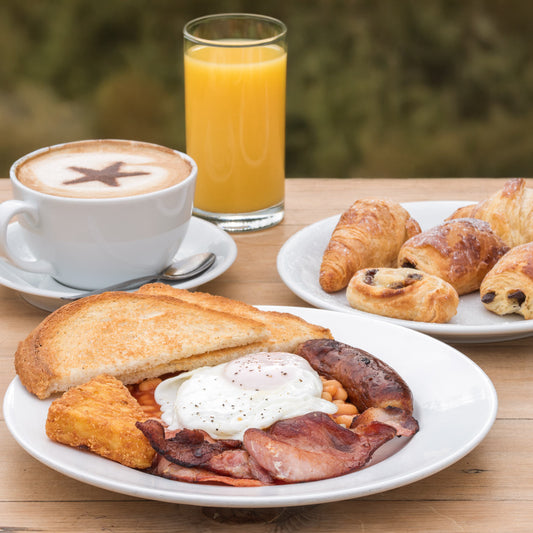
point(508, 287)
point(463, 212)
point(459, 251)
point(403, 293)
point(368, 234)
point(509, 212)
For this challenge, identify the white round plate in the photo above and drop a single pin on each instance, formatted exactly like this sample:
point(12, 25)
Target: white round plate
point(299, 266)
point(44, 292)
point(454, 402)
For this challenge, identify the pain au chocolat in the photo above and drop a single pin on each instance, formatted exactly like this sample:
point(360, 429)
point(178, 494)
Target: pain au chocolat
point(403, 293)
point(508, 287)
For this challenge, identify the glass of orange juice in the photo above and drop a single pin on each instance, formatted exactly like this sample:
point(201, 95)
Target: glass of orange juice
point(235, 82)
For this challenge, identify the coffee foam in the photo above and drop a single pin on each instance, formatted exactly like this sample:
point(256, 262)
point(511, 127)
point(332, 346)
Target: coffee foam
point(103, 169)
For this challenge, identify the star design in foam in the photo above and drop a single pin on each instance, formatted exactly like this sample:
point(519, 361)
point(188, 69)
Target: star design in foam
point(107, 175)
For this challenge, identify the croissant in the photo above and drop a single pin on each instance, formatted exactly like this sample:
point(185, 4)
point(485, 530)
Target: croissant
point(508, 211)
point(459, 251)
point(508, 287)
point(368, 234)
point(403, 293)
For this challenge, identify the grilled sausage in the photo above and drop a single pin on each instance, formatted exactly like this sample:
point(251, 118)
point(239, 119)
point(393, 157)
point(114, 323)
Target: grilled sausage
point(368, 381)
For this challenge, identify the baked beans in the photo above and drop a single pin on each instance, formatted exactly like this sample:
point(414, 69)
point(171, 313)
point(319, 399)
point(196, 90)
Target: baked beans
point(143, 392)
point(333, 391)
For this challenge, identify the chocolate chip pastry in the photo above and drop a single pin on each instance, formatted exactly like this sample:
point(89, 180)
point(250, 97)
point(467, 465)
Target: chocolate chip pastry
point(403, 293)
point(508, 287)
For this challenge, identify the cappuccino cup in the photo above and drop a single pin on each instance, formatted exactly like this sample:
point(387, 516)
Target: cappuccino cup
point(97, 212)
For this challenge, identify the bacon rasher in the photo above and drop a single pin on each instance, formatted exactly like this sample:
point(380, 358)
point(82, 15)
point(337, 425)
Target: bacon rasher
point(193, 456)
point(312, 447)
point(164, 468)
point(303, 448)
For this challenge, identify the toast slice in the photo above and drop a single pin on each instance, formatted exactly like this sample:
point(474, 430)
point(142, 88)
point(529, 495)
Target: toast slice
point(130, 336)
point(100, 415)
point(286, 331)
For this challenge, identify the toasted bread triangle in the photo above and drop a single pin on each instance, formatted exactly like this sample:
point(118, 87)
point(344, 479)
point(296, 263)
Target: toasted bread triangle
point(126, 335)
point(286, 331)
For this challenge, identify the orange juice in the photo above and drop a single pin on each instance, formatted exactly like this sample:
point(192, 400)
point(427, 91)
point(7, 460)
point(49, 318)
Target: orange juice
point(235, 125)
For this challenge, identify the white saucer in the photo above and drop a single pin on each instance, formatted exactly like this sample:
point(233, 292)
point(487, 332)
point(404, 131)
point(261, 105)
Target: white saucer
point(44, 292)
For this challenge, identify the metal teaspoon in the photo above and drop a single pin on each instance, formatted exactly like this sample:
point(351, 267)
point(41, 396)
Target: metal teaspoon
point(181, 270)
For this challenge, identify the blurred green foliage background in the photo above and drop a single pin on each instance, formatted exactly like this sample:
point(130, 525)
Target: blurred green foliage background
point(390, 88)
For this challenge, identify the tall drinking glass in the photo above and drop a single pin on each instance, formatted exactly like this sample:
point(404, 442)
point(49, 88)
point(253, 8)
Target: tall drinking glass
point(235, 79)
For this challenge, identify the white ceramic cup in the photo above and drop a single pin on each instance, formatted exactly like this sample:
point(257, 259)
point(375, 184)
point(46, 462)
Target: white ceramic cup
point(89, 243)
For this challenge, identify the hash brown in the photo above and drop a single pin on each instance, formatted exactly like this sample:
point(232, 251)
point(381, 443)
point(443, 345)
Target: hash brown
point(100, 416)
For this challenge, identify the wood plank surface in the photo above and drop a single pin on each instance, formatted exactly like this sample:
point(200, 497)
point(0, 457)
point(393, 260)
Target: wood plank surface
point(488, 490)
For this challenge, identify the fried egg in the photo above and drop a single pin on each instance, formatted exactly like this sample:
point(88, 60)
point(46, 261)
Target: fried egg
point(253, 391)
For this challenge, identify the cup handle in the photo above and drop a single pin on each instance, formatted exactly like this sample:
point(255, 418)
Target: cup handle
point(8, 210)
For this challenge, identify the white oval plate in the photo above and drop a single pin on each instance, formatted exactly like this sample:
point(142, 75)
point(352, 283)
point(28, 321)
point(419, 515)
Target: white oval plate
point(299, 266)
point(44, 292)
point(455, 404)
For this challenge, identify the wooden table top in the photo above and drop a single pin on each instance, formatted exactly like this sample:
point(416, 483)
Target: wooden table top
point(489, 490)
